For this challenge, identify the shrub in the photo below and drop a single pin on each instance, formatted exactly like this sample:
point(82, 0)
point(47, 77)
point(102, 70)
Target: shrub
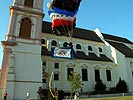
point(61, 95)
point(44, 94)
point(121, 86)
point(99, 85)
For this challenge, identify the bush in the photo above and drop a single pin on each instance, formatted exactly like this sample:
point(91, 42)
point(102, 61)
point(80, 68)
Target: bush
point(99, 85)
point(61, 95)
point(44, 94)
point(121, 86)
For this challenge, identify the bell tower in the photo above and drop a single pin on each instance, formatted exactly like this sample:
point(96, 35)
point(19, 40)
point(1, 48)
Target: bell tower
point(22, 66)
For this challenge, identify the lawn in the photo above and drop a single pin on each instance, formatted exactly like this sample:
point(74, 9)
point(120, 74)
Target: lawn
point(111, 98)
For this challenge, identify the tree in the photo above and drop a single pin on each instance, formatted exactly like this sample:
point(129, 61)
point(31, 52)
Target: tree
point(75, 81)
point(121, 86)
point(99, 85)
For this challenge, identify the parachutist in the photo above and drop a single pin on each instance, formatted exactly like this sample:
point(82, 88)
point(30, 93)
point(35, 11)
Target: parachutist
point(70, 45)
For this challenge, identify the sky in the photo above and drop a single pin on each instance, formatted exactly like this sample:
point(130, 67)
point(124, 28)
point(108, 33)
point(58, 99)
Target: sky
point(114, 17)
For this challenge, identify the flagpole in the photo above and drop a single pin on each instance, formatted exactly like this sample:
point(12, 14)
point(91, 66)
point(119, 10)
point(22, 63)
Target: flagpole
point(50, 81)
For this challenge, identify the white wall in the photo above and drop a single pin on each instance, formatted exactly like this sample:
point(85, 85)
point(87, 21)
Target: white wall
point(27, 71)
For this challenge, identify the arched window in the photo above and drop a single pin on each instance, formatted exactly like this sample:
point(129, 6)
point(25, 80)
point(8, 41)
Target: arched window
point(65, 44)
point(25, 28)
point(42, 41)
point(100, 49)
point(97, 74)
point(53, 43)
point(84, 75)
point(28, 3)
point(78, 46)
point(89, 48)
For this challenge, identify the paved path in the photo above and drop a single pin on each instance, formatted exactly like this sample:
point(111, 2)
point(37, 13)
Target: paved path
point(82, 99)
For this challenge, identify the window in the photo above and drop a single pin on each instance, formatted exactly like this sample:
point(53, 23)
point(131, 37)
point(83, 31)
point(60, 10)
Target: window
point(108, 74)
point(53, 43)
point(28, 3)
point(43, 50)
point(56, 65)
point(78, 46)
point(44, 63)
point(69, 72)
point(84, 75)
point(97, 74)
point(56, 77)
point(132, 74)
point(43, 80)
point(89, 48)
point(42, 41)
point(100, 49)
point(25, 28)
point(65, 44)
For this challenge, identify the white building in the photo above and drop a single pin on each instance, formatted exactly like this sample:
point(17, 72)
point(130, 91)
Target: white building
point(27, 52)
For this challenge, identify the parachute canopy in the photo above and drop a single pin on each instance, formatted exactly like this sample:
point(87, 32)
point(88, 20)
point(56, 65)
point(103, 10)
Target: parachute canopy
point(69, 5)
point(63, 15)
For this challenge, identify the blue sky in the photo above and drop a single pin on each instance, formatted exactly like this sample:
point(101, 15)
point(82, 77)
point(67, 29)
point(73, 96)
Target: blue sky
point(114, 17)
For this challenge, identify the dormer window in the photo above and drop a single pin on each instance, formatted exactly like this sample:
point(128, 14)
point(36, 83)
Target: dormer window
point(28, 3)
point(65, 44)
point(78, 46)
point(100, 49)
point(53, 43)
point(89, 48)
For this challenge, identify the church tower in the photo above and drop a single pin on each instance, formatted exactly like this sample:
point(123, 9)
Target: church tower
point(22, 66)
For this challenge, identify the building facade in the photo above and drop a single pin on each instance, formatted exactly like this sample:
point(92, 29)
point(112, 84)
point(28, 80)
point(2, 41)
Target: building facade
point(28, 62)
point(98, 55)
point(21, 67)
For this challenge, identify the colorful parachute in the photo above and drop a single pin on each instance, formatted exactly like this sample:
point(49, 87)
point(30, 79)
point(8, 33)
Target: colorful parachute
point(63, 15)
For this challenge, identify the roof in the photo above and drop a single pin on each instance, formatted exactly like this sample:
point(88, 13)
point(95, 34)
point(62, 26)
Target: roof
point(92, 56)
point(91, 35)
point(86, 34)
point(122, 48)
point(116, 38)
point(81, 55)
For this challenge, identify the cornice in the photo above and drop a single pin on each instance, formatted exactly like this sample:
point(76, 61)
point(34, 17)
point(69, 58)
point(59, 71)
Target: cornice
point(27, 10)
point(8, 43)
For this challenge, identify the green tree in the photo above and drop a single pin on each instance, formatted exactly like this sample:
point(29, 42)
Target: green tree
point(121, 86)
point(75, 81)
point(99, 85)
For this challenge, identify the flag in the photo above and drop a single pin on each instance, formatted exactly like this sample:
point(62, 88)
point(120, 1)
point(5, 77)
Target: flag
point(63, 53)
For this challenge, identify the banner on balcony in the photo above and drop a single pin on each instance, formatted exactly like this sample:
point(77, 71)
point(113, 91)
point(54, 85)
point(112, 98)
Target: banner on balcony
point(63, 53)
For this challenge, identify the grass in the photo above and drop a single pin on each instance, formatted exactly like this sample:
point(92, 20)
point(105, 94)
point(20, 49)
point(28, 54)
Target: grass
point(112, 98)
